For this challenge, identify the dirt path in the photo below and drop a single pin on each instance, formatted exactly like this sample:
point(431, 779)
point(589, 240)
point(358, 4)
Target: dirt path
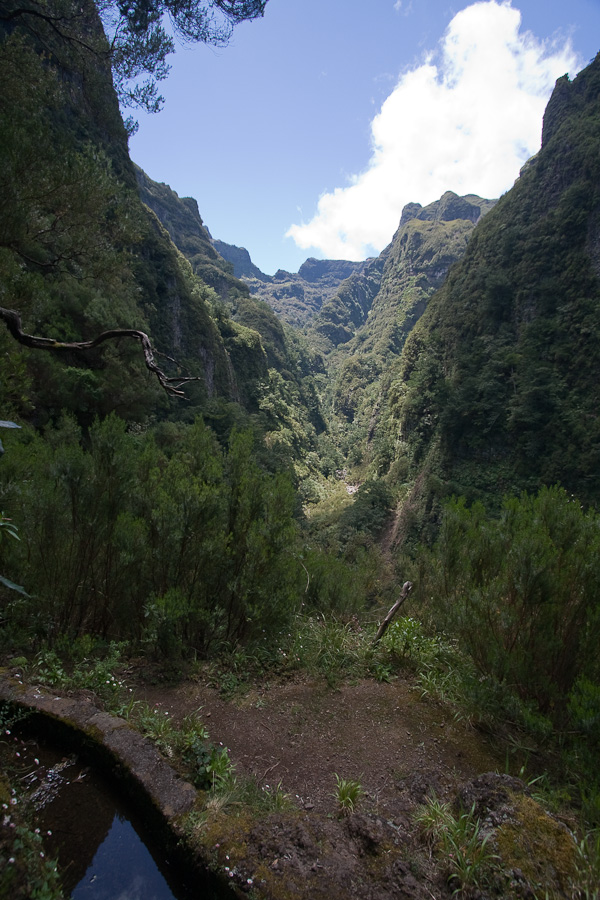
point(300, 735)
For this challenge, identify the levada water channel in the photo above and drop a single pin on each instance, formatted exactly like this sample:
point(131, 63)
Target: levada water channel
point(103, 846)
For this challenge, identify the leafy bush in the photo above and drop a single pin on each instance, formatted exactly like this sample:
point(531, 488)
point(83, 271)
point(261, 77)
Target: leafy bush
point(369, 512)
point(520, 592)
point(184, 545)
point(405, 638)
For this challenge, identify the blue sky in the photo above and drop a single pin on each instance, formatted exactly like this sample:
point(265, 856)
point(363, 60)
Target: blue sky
point(311, 130)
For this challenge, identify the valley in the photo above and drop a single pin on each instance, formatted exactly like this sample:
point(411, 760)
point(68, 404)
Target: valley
point(224, 551)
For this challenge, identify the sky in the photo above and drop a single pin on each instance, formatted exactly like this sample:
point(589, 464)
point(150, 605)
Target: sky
point(311, 130)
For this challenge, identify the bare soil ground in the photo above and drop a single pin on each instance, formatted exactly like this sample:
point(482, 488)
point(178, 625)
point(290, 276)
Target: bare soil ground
point(301, 734)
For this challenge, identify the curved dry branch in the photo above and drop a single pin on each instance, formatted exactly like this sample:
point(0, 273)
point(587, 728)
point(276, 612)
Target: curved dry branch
point(12, 320)
point(406, 589)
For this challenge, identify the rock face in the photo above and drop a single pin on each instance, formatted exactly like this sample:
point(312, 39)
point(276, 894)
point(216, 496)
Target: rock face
point(426, 244)
point(570, 98)
point(296, 297)
point(327, 271)
point(252, 334)
point(449, 207)
point(535, 848)
point(343, 314)
point(182, 220)
point(243, 267)
point(392, 290)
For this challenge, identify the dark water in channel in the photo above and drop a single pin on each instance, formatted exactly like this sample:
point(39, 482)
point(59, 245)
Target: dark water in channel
point(103, 849)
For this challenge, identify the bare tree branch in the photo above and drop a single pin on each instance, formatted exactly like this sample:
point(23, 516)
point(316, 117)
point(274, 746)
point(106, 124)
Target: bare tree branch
point(12, 320)
point(406, 589)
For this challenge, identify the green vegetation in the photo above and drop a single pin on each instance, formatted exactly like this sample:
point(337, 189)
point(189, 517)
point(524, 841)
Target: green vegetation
point(172, 542)
point(25, 871)
point(347, 794)
point(261, 528)
point(469, 859)
point(520, 592)
point(496, 392)
point(513, 599)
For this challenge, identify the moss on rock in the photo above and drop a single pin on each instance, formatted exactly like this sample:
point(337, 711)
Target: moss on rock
point(538, 845)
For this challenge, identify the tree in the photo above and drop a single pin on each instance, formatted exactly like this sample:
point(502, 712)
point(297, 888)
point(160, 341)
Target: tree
point(139, 34)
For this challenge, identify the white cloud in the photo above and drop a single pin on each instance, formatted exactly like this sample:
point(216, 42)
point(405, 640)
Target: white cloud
point(464, 120)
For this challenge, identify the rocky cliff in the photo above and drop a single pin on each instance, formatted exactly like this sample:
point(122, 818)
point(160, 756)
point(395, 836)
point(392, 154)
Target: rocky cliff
point(388, 294)
point(296, 297)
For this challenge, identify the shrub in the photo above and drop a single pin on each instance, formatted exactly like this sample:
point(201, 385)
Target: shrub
point(183, 546)
point(520, 592)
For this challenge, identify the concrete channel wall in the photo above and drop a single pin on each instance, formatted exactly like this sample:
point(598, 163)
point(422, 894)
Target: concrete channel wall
point(123, 754)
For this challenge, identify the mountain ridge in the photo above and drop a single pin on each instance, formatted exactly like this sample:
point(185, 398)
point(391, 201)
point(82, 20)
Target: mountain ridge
point(296, 297)
point(498, 388)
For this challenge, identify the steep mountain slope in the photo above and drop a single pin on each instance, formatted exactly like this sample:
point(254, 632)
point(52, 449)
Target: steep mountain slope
point(80, 254)
point(181, 218)
point(138, 514)
point(428, 241)
point(362, 329)
point(498, 389)
point(391, 291)
point(277, 367)
point(343, 314)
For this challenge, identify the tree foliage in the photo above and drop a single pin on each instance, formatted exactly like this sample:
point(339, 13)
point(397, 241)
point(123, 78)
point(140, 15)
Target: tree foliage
point(140, 34)
point(169, 540)
point(520, 592)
